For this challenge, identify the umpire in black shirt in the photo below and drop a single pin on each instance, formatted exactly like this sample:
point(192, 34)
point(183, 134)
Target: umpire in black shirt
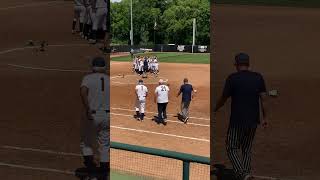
point(248, 92)
point(187, 94)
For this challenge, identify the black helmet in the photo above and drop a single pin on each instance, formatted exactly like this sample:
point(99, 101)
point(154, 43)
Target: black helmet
point(98, 62)
point(242, 58)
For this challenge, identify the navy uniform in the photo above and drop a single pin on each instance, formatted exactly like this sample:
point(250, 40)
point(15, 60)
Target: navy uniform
point(187, 92)
point(246, 90)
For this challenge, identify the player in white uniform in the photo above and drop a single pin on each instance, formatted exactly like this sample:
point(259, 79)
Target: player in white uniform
point(79, 12)
point(88, 19)
point(95, 125)
point(101, 11)
point(141, 67)
point(141, 95)
point(162, 99)
point(156, 66)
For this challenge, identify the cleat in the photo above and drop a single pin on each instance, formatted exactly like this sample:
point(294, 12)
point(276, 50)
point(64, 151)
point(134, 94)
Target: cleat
point(186, 120)
point(92, 41)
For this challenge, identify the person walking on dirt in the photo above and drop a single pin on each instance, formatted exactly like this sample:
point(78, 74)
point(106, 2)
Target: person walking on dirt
point(162, 99)
point(187, 92)
point(248, 94)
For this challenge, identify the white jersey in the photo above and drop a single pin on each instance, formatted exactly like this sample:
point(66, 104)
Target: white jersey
point(141, 91)
point(99, 90)
point(101, 4)
point(141, 63)
point(162, 92)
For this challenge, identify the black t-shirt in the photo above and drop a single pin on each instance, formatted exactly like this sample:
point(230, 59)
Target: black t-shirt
point(145, 63)
point(186, 91)
point(244, 88)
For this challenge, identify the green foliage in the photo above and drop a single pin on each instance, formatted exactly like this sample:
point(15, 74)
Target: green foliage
point(167, 21)
point(172, 57)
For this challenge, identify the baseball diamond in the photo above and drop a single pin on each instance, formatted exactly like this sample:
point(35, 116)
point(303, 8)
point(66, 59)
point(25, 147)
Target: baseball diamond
point(145, 133)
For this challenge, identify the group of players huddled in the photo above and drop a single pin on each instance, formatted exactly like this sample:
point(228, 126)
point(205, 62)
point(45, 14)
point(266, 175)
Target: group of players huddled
point(92, 18)
point(145, 64)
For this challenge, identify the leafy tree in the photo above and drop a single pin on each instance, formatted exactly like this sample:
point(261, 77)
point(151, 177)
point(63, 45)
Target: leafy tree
point(166, 21)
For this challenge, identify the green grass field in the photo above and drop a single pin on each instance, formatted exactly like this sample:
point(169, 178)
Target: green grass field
point(197, 58)
point(118, 176)
point(125, 176)
point(294, 3)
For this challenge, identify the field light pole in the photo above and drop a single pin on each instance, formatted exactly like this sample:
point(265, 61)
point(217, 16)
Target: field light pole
point(131, 31)
point(194, 34)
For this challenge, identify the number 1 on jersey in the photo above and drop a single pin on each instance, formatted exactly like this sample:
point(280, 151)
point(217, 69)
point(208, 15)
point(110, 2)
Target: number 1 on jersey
point(102, 84)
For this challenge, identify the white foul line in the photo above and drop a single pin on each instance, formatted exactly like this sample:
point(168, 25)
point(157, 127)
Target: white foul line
point(37, 168)
point(29, 5)
point(123, 109)
point(46, 69)
point(33, 47)
point(40, 150)
point(164, 134)
point(195, 124)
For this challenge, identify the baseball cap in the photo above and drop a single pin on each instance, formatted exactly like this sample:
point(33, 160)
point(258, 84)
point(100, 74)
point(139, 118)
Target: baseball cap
point(140, 81)
point(242, 58)
point(98, 62)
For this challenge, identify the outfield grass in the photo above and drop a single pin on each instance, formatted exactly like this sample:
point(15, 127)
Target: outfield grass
point(196, 58)
point(124, 176)
point(294, 3)
point(118, 176)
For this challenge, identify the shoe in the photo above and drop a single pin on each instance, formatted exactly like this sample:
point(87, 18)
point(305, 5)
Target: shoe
point(186, 120)
point(92, 41)
point(164, 122)
point(248, 177)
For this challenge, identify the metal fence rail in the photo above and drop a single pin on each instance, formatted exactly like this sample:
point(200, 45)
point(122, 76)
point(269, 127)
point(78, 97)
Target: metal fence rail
point(185, 158)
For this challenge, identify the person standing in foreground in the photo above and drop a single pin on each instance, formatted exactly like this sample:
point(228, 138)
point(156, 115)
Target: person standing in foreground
point(141, 95)
point(100, 11)
point(95, 129)
point(187, 95)
point(79, 11)
point(162, 99)
point(248, 93)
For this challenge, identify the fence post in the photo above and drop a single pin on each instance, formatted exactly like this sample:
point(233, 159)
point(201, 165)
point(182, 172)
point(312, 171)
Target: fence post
point(186, 170)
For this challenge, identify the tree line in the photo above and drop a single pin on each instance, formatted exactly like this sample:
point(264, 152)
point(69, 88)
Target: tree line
point(160, 22)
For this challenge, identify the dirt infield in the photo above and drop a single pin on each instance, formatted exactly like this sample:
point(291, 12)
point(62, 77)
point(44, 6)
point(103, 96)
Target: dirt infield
point(192, 138)
point(40, 103)
point(282, 43)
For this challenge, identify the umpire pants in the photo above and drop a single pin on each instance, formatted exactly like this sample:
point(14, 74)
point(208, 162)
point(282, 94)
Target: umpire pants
point(162, 111)
point(185, 109)
point(240, 138)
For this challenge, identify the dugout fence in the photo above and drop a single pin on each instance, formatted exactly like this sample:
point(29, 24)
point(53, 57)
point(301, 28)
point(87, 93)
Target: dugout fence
point(137, 162)
point(162, 48)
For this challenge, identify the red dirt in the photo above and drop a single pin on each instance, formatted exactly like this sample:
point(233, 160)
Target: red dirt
point(122, 96)
point(282, 43)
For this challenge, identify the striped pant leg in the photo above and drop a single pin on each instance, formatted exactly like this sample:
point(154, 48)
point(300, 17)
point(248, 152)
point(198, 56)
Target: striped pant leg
point(234, 136)
point(246, 146)
point(185, 109)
